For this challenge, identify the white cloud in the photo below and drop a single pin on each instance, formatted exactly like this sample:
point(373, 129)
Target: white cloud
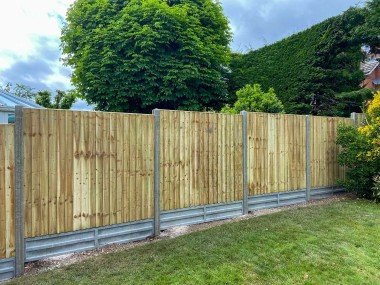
point(257, 22)
point(22, 22)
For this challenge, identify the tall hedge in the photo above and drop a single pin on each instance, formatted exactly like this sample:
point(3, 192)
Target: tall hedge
point(309, 69)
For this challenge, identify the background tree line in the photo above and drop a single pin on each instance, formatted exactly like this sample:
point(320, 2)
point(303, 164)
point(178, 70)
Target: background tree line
point(137, 55)
point(62, 99)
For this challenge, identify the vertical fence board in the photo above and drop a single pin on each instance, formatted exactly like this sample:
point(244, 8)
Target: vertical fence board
point(119, 168)
point(113, 169)
point(132, 164)
point(3, 215)
point(91, 154)
point(9, 190)
point(60, 182)
point(7, 207)
point(126, 172)
point(54, 174)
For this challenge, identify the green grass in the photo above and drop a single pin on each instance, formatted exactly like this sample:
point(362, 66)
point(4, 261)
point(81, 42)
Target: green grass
point(335, 243)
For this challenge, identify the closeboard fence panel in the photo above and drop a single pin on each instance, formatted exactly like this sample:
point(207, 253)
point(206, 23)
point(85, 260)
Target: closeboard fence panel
point(201, 159)
point(7, 210)
point(276, 153)
point(325, 170)
point(86, 169)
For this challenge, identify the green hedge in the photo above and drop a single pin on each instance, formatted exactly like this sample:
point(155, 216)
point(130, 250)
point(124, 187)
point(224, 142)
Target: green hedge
point(308, 69)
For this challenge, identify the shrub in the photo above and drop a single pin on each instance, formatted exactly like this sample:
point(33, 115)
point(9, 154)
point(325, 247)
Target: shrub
point(361, 154)
point(253, 99)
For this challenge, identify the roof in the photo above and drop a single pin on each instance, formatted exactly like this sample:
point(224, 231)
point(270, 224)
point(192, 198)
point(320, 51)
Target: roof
point(9, 100)
point(369, 66)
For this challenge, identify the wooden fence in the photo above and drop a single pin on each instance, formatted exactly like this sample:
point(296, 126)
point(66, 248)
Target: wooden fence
point(276, 153)
point(360, 119)
point(325, 170)
point(201, 159)
point(86, 169)
point(90, 169)
point(7, 229)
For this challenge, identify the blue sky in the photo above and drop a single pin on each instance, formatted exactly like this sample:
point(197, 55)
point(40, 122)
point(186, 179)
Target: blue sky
point(30, 30)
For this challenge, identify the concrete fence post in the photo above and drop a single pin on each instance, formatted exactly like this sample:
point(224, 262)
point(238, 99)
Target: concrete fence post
point(308, 166)
point(157, 157)
point(245, 161)
point(354, 117)
point(19, 191)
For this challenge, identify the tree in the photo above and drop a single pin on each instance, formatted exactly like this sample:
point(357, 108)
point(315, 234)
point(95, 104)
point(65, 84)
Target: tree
point(361, 153)
point(313, 69)
point(20, 90)
point(142, 54)
point(369, 33)
point(62, 100)
point(253, 99)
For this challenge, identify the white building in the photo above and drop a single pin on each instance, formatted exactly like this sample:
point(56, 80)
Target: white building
point(7, 106)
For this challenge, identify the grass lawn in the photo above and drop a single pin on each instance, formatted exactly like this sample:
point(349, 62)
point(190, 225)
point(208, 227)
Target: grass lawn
point(335, 243)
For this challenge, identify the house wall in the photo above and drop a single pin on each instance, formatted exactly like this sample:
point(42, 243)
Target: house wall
point(368, 82)
point(3, 117)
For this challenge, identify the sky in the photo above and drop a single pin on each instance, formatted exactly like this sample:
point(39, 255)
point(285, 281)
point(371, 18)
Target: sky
point(30, 30)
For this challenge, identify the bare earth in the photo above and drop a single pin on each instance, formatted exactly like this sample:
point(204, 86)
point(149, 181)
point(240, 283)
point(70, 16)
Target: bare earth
point(36, 267)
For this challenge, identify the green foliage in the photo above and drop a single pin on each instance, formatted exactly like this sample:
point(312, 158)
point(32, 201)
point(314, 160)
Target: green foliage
point(142, 54)
point(61, 100)
point(360, 172)
point(368, 33)
point(348, 102)
point(361, 154)
point(253, 99)
point(309, 69)
point(20, 90)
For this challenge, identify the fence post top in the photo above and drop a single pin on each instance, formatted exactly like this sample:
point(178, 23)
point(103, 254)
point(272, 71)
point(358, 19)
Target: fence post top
point(243, 113)
point(18, 108)
point(156, 111)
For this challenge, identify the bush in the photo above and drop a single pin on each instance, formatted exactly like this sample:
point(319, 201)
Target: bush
point(361, 154)
point(253, 99)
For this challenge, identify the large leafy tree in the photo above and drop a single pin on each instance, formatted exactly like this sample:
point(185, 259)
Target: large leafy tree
point(135, 55)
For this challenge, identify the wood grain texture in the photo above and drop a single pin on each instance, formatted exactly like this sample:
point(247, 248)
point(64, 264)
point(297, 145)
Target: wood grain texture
point(200, 159)
point(7, 207)
point(85, 169)
point(325, 170)
point(276, 153)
